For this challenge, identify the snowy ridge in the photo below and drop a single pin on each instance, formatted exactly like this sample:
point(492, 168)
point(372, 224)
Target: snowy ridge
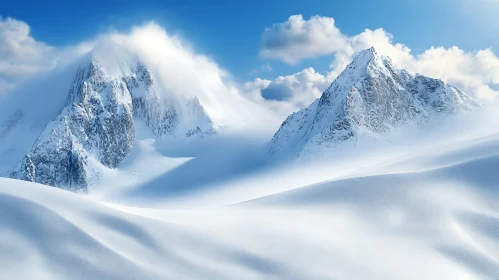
point(370, 97)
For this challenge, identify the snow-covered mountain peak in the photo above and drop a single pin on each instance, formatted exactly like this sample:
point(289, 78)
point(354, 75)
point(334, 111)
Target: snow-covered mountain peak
point(370, 97)
point(97, 126)
point(367, 63)
point(365, 58)
point(94, 102)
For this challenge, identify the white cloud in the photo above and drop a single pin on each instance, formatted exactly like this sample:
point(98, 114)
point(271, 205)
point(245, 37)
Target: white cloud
point(20, 54)
point(296, 39)
point(301, 88)
point(477, 73)
point(182, 72)
point(179, 72)
point(253, 89)
point(286, 94)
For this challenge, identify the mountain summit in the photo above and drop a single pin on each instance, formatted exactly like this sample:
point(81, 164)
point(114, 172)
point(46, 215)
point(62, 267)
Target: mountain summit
point(370, 96)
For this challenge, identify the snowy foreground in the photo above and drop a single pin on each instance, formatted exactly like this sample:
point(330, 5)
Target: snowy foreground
point(424, 215)
point(430, 213)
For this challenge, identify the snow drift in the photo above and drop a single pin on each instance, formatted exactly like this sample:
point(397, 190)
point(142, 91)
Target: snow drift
point(430, 215)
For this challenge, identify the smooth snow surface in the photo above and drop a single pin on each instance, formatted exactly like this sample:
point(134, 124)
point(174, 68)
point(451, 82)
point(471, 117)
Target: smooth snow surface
point(428, 213)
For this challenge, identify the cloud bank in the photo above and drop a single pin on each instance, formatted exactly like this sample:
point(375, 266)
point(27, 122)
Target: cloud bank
point(477, 73)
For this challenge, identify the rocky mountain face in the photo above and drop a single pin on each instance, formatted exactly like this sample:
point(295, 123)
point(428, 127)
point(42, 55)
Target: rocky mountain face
point(371, 96)
point(98, 125)
point(166, 117)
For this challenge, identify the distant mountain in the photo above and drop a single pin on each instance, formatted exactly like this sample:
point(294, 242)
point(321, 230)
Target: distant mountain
point(371, 96)
point(61, 140)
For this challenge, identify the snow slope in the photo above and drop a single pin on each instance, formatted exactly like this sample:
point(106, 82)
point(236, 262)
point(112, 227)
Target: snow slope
point(429, 214)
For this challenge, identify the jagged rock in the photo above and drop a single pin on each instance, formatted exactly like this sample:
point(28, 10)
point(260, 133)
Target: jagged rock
point(98, 120)
point(98, 123)
point(370, 96)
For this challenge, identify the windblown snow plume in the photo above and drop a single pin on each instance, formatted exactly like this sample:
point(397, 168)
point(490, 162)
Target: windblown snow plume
point(144, 76)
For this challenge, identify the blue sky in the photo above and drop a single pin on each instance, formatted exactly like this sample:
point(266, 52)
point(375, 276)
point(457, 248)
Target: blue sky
point(280, 53)
point(230, 31)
